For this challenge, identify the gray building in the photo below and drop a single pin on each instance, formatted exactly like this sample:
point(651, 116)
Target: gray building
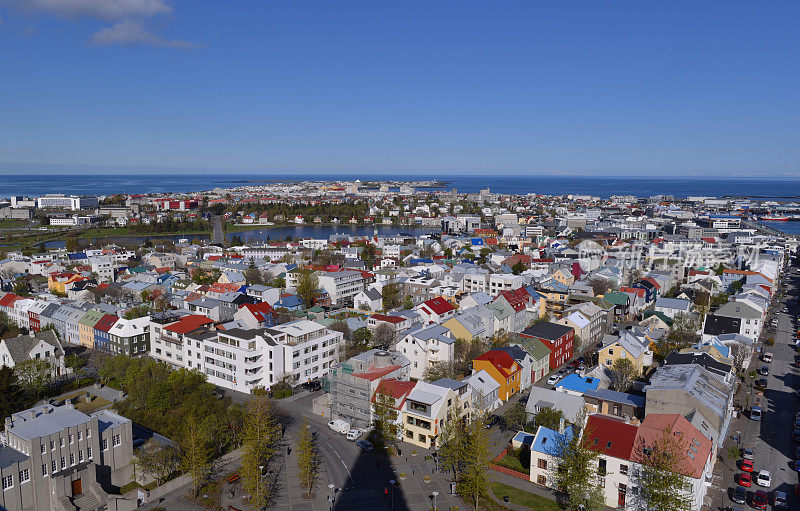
point(62, 459)
point(352, 383)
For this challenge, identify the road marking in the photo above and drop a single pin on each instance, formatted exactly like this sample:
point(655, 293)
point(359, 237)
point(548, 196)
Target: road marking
point(352, 483)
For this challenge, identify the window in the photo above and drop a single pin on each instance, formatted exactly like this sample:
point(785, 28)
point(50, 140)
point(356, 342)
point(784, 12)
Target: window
point(71, 439)
point(71, 459)
point(541, 463)
point(623, 469)
point(24, 476)
point(8, 482)
point(43, 448)
point(541, 479)
point(115, 440)
point(54, 468)
point(63, 462)
point(104, 444)
point(61, 442)
point(52, 445)
point(44, 469)
point(88, 433)
point(601, 467)
point(422, 438)
point(80, 456)
point(602, 482)
point(80, 435)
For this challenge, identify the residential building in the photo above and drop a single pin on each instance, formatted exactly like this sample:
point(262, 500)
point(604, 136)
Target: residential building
point(557, 338)
point(503, 368)
point(425, 346)
point(426, 410)
point(43, 346)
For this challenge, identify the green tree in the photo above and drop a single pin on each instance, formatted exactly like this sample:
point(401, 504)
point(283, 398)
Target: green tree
point(308, 287)
point(518, 268)
point(391, 296)
point(474, 479)
point(384, 424)
point(195, 451)
point(576, 470)
point(548, 417)
point(516, 416)
point(12, 396)
point(623, 371)
point(362, 335)
point(662, 481)
point(261, 436)
point(8, 328)
point(36, 375)
point(308, 459)
point(408, 302)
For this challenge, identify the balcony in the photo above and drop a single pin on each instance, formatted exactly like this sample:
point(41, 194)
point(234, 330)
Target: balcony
point(171, 340)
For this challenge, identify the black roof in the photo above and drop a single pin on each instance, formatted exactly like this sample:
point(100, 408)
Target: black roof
point(547, 330)
point(718, 325)
point(702, 359)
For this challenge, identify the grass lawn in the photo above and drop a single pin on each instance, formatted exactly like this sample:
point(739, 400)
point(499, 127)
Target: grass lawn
point(513, 463)
point(96, 404)
point(524, 498)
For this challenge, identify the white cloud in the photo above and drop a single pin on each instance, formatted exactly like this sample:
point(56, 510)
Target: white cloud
point(129, 18)
point(109, 10)
point(133, 33)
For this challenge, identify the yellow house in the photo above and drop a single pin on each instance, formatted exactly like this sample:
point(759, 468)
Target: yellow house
point(59, 281)
point(426, 408)
point(465, 327)
point(563, 276)
point(633, 347)
point(86, 327)
point(504, 369)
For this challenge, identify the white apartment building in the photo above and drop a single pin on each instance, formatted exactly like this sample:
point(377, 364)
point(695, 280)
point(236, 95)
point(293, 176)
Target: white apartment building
point(342, 286)
point(103, 266)
point(426, 345)
point(242, 360)
point(491, 284)
point(71, 202)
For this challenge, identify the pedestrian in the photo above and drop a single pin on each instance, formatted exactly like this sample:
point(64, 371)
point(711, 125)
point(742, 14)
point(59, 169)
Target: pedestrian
point(385, 491)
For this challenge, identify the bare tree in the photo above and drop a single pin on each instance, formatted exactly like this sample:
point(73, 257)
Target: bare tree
point(740, 355)
point(383, 336)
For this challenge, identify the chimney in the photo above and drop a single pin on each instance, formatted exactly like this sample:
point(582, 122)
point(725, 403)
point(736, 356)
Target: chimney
point(561, 425)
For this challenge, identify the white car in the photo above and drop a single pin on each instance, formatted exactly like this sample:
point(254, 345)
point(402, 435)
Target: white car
point(764, 479)
point(353, 434)
point(553, 379)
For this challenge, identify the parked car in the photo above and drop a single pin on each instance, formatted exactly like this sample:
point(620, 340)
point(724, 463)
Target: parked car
point(763, 370)
point(761, 383)
point(748, 454)
point(365, 445)
point(312, 385)
point(780, 500)
point(746, 465)
point(766, 357)
point(755, 413)
point(739, 495)
point(746, 479)
point(353, 434)
point(760, 500)
point(553, 379)
point(764, 479)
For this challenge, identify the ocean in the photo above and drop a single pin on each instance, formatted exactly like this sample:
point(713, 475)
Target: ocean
point(33, 184)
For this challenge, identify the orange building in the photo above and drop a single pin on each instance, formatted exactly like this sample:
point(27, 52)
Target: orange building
point(504, 369)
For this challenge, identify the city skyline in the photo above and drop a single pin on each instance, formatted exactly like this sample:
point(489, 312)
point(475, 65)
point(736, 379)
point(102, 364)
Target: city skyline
point(358, 88)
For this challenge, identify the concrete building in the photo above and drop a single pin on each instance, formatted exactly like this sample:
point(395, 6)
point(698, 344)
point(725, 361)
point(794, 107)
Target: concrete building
point(60, 458)
point(71, 202)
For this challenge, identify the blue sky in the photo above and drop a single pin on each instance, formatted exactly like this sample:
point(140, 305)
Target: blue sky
point(639, 88)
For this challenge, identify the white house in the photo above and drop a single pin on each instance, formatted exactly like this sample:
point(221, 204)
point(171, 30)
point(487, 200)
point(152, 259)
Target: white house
point(42, 346)
point(369, 299)
point(426, 345)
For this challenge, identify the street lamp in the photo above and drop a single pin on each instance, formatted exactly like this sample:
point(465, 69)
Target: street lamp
point(330, 497)
point(391, 484)
point(435, 494)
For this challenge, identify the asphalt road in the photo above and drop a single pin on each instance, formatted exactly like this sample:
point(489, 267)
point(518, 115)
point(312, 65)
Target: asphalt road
point(770, 439)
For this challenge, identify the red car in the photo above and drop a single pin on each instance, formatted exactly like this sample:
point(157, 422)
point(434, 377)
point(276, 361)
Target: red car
point(760, 500)
point(745, 479)
point(747, 465)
